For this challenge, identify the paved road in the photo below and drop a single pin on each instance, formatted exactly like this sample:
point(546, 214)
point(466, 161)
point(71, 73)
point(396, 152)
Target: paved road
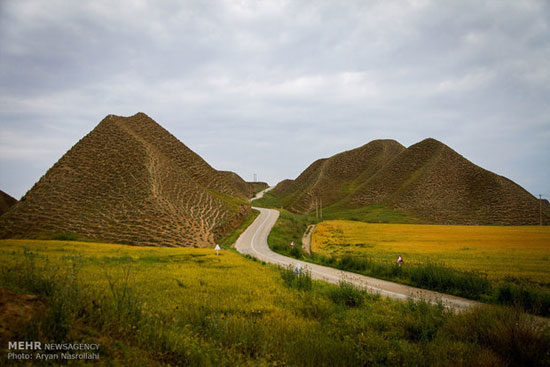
point(253, 242)
point(260, 194)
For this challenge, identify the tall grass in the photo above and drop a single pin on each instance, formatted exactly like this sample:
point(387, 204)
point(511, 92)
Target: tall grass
point(521, 339)
point(530, 298)
point(298, 279)
point(347, 294)
point(280, 318)
point(435, 276)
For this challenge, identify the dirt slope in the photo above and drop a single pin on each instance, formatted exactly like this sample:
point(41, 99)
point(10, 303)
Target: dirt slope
point(429, 180)
point(130, 181)
point(332, 179)
point(436, 183)
point(6, 202)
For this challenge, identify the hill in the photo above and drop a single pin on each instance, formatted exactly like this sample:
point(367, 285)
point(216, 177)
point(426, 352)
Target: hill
point(428, 180)
point(6, 202)
point(130, 181)
point(332, 179)
point(249, 189)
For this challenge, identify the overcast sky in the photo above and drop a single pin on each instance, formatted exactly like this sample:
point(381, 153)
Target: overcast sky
point(268, 87)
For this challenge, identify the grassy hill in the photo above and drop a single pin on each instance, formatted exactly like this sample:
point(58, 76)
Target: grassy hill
point(427, 182)
point(6, 202)
point(130, 181)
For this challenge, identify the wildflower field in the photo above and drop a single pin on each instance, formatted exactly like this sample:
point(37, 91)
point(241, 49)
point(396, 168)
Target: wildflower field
point(500, 252)
point(179, 307)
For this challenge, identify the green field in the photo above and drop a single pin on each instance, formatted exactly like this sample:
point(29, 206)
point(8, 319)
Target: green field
point(165, 306)
point(475, 262)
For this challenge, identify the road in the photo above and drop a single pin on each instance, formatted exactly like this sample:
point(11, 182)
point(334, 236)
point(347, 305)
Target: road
point(253, 242)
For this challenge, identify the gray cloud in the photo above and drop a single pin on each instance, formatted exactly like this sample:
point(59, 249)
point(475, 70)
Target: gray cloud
point(270, 86)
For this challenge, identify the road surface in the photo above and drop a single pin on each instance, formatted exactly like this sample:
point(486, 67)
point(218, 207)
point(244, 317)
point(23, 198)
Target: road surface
point(253, 242)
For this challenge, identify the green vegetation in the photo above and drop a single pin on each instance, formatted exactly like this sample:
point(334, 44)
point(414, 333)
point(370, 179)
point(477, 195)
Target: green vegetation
point(289, 227)
point(180, 307)
point(526, 295)
point(378, 213)
point(300, 280)
point(475, 285)
point(269, 200)
point(347, 294)
point(432, 276)
point(229, 239)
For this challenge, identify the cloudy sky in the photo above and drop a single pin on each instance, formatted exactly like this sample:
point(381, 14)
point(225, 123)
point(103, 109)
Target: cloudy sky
point(267, 87)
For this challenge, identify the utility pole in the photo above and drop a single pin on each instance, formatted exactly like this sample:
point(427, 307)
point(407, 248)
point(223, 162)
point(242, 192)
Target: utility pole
point(255, 178)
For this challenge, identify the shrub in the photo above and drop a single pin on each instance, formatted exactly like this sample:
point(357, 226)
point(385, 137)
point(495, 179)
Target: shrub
point(66, 237)
point(441, 278)
point(530, 299)
point(353, 263)
point(296, 252)
point(520, 339)
point(299, 280)
point(347, 294)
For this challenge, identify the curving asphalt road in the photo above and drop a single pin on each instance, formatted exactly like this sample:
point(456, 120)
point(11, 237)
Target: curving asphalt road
point(253, 242)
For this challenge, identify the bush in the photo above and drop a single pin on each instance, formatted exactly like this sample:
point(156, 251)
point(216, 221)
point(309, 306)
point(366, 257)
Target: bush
point(299, 280)
point(530, 299)
point(441, 278)
point(66, 237)
point(296, 252)
point(421, 320)
point(520, 339)
point(66, 299)
point(353, 263)
point(347, 294)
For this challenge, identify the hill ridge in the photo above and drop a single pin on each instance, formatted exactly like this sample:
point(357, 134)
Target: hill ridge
point(430, 181)
point(331, 178)
point(6, 202)
point(130, 181)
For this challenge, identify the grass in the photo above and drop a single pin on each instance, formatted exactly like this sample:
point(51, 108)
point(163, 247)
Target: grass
point(513, 251)
point(378, 213)
point(268, 200)
point(467, 261)
point(505, 265)
point(178, 307)
point(289, 227)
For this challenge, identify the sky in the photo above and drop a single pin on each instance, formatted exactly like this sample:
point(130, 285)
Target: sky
point(268, 87)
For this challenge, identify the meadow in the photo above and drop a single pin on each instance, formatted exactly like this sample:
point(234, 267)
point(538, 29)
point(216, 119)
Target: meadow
point(492, 264)
point(181, 306)
point(500, 252)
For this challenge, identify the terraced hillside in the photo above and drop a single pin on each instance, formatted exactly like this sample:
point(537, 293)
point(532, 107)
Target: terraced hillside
point(6, 202)
point(130, 181)
point(428, 180)
point(248, 188)
point(334, 178)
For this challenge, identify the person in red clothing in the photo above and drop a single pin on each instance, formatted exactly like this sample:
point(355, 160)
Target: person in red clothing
point(400, 260)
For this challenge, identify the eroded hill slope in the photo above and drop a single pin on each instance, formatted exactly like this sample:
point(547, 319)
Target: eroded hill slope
point(332, 179)
point(439, 185)
point(130, 181)
point(428, 180)
point(6, 202)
